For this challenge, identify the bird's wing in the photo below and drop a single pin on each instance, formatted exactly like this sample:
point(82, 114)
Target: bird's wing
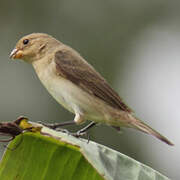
point(70, 65)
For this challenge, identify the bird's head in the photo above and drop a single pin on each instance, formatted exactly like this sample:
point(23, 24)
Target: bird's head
point(33, 47)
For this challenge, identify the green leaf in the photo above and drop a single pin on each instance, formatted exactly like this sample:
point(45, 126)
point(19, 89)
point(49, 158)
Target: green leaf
point(51, 155)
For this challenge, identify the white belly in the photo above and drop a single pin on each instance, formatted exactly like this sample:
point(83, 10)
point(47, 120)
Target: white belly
point(72, 97)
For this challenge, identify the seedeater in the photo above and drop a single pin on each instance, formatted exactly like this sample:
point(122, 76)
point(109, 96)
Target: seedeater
point(76, 85)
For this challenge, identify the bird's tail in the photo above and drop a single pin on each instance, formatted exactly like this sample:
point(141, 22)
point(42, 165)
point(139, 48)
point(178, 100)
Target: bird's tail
point(139, 125)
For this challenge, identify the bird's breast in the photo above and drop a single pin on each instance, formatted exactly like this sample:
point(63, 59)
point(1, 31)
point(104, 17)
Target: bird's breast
point(73, 97)
point(57, 86)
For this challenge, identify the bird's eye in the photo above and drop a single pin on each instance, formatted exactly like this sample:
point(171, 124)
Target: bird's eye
point(25, 41)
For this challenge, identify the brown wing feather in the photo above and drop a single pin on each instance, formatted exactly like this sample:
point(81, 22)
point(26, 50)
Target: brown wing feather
point(72, 66)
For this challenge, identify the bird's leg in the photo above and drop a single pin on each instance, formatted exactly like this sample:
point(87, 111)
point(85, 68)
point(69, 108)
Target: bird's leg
point(84, 130)
point(57, 125)
point(77, 120)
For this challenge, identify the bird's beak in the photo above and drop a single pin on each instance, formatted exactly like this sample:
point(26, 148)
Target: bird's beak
point(16, 54)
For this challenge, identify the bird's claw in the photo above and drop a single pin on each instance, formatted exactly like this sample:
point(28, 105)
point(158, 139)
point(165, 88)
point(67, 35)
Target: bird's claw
point(63, 130)
point(81, 133)
point(78, 134)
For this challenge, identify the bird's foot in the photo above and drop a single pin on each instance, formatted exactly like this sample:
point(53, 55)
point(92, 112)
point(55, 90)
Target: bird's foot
point(78, 134)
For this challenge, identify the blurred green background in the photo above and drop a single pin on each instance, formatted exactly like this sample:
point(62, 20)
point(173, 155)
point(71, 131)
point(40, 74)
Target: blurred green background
point(135, 45)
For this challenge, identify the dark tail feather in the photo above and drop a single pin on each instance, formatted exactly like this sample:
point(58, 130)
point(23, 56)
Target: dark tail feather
point(137, 124)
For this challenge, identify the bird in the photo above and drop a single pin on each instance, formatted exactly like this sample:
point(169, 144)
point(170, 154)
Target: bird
point(76, 85)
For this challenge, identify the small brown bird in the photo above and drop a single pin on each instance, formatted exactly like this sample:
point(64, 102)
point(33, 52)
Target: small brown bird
point(76, 85)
